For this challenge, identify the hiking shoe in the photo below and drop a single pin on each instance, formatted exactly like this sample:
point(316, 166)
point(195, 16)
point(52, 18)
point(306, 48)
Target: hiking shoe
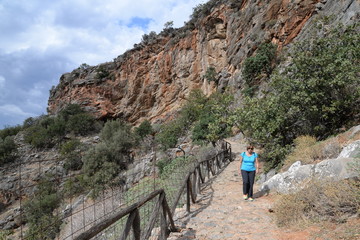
point(251, 199)
point(246, 197)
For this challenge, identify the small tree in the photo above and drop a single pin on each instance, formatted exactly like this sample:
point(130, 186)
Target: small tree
point(260, 63)
point(169, 25)
point(104, 162)
point(39, 211)
point(8, 150)
point(210, 75)
point(84, 66)
point(144, 129)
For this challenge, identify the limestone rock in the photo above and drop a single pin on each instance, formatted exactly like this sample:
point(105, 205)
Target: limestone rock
point(351, 151)
point(299, 175)
point(153, 80)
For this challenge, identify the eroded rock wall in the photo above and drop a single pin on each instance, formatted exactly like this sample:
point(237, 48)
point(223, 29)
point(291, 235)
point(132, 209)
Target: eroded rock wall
point(152, 81)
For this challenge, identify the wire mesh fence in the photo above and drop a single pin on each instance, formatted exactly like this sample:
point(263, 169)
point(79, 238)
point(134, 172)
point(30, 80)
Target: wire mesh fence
point(50, 204)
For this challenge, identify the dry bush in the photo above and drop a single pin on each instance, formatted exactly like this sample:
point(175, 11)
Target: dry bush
point(307, 150)
point(321, 201)
point(304, 151)
point(204, 152)
point(289, 210)
point(328, 149)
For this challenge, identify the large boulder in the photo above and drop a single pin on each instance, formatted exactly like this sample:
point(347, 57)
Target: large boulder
point(299, 175)
point(351, 151)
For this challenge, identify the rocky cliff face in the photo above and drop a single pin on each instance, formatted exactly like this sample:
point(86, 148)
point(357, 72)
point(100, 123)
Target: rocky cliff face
point(152, 80)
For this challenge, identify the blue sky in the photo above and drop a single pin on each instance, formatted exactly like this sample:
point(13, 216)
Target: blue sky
point(42, 39)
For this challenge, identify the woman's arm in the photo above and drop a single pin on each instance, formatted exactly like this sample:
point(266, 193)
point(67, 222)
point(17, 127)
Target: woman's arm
point(240, 159)
point(257, 163)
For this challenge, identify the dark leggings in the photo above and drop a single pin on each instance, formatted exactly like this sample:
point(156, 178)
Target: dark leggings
point(248, 182)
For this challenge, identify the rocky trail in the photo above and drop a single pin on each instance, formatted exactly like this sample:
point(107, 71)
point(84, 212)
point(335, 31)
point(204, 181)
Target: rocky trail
point(221, 213)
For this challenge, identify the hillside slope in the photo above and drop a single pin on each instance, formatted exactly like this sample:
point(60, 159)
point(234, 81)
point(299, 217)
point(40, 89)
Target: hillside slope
point(152, 80)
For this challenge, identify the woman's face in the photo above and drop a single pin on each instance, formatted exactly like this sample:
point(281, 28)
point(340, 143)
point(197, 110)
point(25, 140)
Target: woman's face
point(250, 149)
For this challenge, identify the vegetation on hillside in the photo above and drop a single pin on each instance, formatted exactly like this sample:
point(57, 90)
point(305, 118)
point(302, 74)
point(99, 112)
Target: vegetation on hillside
point(8, 148)
point(207, 118)
point(258, 67)
point(320, 201)
point(43, 224)
point(318, 93)
point(107, 159)
point(309, 99)
point(46, 131)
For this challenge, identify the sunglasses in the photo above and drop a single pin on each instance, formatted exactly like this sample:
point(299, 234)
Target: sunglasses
point(251, 148)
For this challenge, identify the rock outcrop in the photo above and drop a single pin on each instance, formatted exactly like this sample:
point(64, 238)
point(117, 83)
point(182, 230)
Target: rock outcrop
point(152, 80)
point(298, 176)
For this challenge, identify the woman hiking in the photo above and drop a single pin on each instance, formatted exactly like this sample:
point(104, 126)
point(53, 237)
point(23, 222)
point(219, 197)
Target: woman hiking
point(248, 161)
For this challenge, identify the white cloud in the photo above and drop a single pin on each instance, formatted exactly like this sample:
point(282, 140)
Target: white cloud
point(2, 82)
point(10, 110)
point(43, 39)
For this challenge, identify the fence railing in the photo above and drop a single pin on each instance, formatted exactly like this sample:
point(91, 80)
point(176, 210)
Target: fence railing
point(192, 182)
point(141, 207)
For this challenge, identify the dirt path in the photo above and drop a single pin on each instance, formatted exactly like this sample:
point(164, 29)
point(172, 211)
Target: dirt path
point(221, 213)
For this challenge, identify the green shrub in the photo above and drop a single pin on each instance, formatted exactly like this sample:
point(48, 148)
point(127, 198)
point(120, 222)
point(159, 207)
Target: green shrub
point(201, 129)
point(57, 128)
point(70, 110)
point(4, 234)
point(170, 166)
point(81, 123)
point(249, 91)
point(39, 211)
point(216, 119)
point(70, 146)
point(10, 131)
point(260, 63)
point(274, 153)
point(111, 127)
point(144, 129)
point(102, 72)
point(201, 10)
point(211, 119)
point(8, 150)
point(46, 228)
point(29, 122)
point(38, 136)
point(316, 95)
point(71, 154)
point(161, 164)
point(45, 131)
point(75, 186)
point(45, 121)
point(101, 166)
point(210, 75)
point(194, 106)
point(170, 133)
point(84, 66)
point(104, 162)
point(77, 120)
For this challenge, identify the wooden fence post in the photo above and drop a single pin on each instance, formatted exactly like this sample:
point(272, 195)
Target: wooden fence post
point(163, 222)
point(131, 223)
point(154, 214)
point(188, 186)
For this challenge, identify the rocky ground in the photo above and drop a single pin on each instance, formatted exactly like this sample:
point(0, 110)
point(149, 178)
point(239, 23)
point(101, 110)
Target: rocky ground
point(221, 213)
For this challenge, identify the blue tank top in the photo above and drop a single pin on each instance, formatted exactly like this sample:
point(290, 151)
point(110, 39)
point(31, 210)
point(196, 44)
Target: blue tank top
point(248, 162)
